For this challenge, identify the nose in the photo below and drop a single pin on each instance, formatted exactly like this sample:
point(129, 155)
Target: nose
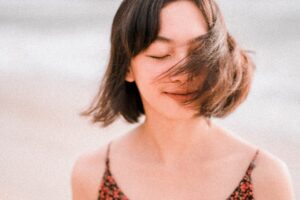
point(180, 59)
point(180, 79)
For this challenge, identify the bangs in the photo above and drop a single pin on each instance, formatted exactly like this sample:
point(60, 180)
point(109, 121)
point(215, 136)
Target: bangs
point(141, 26)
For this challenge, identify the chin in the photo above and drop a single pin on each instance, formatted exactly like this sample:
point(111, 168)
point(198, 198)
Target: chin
point(177, 112)
point(171, 110)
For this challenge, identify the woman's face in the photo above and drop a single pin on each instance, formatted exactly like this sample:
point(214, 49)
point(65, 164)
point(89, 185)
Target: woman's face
point(180, 23)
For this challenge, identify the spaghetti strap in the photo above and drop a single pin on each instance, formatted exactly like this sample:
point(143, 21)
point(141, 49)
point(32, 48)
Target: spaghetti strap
point(255, 156)
point(107, 155)
point(252, 164)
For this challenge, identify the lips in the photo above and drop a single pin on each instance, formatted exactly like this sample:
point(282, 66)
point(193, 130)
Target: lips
point(181, 92)
point(180, 96)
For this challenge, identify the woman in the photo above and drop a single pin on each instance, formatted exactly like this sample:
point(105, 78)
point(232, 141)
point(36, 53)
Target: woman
point(175, 63)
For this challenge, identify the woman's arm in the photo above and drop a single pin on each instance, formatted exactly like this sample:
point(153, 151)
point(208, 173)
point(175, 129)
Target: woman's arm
point(271, 179)
point(86, 175)
point(79, 180)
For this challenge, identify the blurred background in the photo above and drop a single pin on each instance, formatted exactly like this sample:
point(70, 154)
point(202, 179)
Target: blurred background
point(53, 54)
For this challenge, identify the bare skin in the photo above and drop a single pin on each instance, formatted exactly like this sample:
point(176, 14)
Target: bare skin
point(209, 172)
point(174, 155)
point(208, 177)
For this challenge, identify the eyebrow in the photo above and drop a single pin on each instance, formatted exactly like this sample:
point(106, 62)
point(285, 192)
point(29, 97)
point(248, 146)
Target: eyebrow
point(169, 40)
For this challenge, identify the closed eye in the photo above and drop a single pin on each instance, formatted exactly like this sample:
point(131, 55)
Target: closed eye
point(159, 57)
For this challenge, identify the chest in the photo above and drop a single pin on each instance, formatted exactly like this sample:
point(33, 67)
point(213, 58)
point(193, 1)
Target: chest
point(215, 180)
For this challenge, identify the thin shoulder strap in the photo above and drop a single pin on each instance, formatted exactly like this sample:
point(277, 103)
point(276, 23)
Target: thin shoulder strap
point(107, 155)
point(255, 156)
point(252, 164)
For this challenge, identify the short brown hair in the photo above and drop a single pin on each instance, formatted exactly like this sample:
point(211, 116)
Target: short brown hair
point(135, 26)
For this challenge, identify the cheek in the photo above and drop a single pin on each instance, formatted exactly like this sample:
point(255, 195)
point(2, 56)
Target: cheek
point(147, 70)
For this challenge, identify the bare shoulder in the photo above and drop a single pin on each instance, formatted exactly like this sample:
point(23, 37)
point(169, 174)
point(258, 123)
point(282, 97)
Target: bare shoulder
point(87, 173)
point(271, 178)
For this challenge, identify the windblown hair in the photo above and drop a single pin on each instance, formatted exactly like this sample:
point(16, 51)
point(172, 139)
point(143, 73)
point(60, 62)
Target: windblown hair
point(135, 26)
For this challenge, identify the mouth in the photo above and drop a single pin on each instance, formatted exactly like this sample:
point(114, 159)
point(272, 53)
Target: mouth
point(181, 93)
point(180, 96)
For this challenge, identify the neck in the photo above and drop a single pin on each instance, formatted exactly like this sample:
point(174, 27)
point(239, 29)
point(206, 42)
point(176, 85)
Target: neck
point(171, 141)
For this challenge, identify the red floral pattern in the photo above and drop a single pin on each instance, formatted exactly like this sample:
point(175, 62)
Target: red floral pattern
point(109, 189)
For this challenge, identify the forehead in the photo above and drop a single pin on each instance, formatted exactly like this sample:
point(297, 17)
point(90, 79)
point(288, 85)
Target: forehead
point(182, 21)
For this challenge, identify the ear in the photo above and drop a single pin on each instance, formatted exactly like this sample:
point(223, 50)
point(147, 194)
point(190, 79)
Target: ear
point(129, 75)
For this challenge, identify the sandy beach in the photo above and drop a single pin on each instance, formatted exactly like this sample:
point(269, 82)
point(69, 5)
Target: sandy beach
point(53, 55)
